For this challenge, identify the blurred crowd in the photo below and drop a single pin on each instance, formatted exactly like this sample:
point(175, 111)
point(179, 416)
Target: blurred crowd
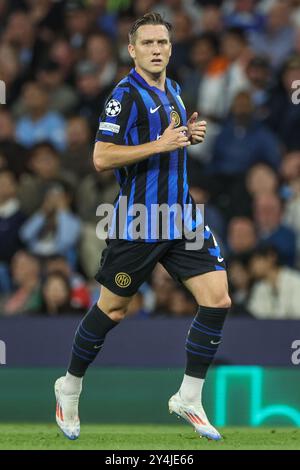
point(237, 62)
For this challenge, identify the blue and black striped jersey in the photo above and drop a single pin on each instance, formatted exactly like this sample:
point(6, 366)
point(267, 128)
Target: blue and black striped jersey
point(136, 113)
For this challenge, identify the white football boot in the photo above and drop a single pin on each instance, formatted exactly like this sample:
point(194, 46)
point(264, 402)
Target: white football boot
point(195, 415)
point(67, 416)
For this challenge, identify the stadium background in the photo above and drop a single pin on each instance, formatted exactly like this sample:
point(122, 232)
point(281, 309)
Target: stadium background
point(236, 62)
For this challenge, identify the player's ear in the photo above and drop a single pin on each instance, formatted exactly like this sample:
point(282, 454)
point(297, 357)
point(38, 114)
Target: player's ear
point(131, 51)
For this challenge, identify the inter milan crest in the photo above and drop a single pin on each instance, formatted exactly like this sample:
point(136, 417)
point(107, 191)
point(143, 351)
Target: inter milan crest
point(122, 280)
point(174, 115)
point(113, 108)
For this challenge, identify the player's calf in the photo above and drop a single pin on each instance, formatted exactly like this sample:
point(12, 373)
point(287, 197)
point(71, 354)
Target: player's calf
point(89, 340)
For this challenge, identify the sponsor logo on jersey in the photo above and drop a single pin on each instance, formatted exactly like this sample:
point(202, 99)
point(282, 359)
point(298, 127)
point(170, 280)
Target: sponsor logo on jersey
point(109, 126)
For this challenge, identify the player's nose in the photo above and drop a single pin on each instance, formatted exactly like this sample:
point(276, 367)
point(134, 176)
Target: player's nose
point(156, 49)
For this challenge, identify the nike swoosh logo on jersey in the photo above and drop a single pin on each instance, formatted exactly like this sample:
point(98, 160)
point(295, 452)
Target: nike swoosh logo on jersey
point(153, 110)
point(215, 342)
point(220, 259)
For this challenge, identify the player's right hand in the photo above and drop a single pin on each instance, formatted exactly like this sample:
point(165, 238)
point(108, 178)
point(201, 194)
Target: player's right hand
point(174, 138)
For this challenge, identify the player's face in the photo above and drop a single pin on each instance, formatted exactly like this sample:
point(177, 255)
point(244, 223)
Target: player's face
point(152, 49)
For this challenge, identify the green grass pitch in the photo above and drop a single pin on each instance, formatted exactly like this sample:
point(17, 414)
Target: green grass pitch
point(148, 437)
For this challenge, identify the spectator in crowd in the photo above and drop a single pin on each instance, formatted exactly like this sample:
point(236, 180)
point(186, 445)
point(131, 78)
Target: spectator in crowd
point(281, 104)
point(64, 55)
point(212, 215)
point(77, 157)
point(277, 39)
point(205, 78)
point(211, 19)
point(80, 295)
point(290, 172)
point(39, 123)
point(122, 70)
point(21, 34)
point(47, 16)
point(4, 8)
point(15, 156)
point(10, 72)
point(92, 94)
point(163, 288)
point(183, 31)
point(236, 50)
point(204, 83)
point(124, 23)
point(54, 229)
point(100, 53)
point(6, 126)
point(259, 75)
point(45, 167)
point(261, 179)
point(244, 141)
point(95, 189)
point(244, 15)
point(26, 295)
point(62, 97)
point(2, 161)
point(106, 20)
point(182, 303)
point(239, 283)
point(296, 12)
point(268, 217)
point(78, 22)
point(11, 217)
point(137, 9)
point(275, 293)
point(290, 169)
point(56, 296)
point(242, 236)
point(136, 308)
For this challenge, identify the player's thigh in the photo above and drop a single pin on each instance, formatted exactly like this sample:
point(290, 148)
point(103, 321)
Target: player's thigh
point(115, 306)
point(210, 289)
point(123, 268)
point(183, 263)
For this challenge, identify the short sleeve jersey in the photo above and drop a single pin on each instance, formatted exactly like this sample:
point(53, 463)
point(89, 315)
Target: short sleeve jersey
point(136, 113)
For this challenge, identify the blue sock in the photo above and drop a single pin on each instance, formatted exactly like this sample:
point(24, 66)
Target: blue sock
point(203, 339)
point(89, 339)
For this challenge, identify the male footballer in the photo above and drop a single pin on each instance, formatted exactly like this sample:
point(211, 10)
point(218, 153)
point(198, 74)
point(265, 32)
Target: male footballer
point(143, 135)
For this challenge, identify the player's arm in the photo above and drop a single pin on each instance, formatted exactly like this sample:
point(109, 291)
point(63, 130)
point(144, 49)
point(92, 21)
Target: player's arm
point(108, 155)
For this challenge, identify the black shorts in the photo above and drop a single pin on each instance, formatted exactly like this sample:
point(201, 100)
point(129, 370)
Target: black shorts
point(125, 265)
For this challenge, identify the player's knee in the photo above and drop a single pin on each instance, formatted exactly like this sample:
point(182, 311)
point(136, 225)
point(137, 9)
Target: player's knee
point(118, 313)
point(222, 301)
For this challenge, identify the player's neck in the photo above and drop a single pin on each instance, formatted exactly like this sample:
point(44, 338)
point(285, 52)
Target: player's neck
point(157, 80)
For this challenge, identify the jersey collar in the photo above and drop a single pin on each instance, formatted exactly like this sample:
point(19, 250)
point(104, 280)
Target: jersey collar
point(143, 82)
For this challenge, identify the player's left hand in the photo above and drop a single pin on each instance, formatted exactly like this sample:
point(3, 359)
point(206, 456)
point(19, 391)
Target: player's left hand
point(196, 129)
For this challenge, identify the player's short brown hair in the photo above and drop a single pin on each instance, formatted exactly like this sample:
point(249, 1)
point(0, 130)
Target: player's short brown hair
point(149, 18)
